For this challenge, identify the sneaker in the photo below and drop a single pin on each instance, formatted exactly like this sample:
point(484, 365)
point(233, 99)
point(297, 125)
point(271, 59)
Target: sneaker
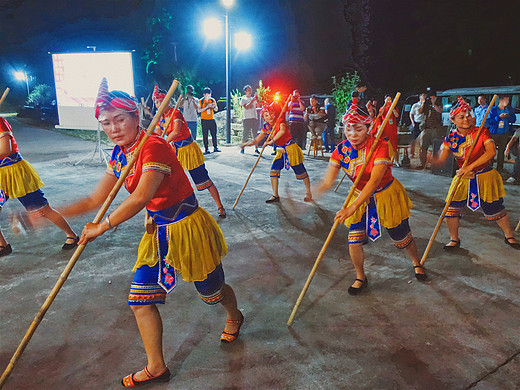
point(207, 151)
point(216, 150)
point(511, 180)
point(257, 151)
point(241, 151)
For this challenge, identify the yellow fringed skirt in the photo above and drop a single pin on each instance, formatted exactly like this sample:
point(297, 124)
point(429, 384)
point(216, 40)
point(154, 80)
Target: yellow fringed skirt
point(294, 153)
point(196, 246)
point(190, 156)
point(19, 179)
point(393, 206)
point(490, 186)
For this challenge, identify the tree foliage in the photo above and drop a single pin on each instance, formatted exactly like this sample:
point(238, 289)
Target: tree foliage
point(342, 91)
point(159, 27)
point(42, 95)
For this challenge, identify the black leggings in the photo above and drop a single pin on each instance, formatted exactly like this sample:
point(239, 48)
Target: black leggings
point(209, 125)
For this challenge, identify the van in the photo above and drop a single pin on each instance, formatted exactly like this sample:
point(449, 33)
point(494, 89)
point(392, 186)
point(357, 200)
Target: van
point(450, 95)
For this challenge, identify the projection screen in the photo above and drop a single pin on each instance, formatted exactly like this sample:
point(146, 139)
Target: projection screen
point(77, 77)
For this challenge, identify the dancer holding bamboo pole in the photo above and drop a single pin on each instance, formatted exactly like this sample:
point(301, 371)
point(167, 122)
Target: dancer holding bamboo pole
point(189, 154)
point(355, 156)
point(288, 154)
point(476, 183)
point(374, 122)
point(271, 134)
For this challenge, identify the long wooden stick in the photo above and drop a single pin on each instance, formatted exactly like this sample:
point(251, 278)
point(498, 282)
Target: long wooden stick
point(334, 227)
point(263, 147)
point(451, 194)
point(4, 95)
point(369, 130)
point(517, 227)
point(66, 272)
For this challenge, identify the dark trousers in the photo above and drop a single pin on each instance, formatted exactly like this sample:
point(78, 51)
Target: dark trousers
point(329, 139)
point(501, 141)
point(209, 125)
point(298, 132)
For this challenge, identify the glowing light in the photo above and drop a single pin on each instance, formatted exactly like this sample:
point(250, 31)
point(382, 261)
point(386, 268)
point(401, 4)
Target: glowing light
point(228, 3)
point(212, 28)
point(20, 76)
point(243, 40)
point(276, 97)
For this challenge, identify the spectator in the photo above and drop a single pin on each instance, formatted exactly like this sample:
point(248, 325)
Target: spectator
point(207, 106)
point(500, 118)
point(296, 120)
point(329, 135)
point(513, 147)
point(315, 117)
point(417, 118)
point(432, 111)
point(250, 120)
point(362, 95)
point(190, 107)
point(481, 110)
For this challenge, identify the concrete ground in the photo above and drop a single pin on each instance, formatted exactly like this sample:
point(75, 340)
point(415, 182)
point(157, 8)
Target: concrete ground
point(458, 330)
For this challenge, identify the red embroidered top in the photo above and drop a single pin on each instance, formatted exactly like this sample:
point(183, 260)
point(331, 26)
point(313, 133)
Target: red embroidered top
point(351, 160)
point(283, 139)
point(156, 155)
point(460, 145)
point(177, 116)
point(5, 127)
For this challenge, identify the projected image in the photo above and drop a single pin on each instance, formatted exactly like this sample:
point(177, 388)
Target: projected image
point(77, 77)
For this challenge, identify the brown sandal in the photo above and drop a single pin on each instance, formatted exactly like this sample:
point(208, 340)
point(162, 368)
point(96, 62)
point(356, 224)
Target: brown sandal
point(129, 380)
point(230, 337)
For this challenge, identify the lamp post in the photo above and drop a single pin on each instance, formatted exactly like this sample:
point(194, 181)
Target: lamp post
point(23, 76)
point(242, 41)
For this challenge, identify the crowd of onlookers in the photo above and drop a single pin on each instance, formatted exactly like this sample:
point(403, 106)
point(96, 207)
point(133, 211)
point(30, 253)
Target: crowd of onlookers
point(317, 120)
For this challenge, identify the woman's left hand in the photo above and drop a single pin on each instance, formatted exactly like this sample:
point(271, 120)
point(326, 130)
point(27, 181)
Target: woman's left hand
point(465, 172)
point(91, 231)
point(343, 214)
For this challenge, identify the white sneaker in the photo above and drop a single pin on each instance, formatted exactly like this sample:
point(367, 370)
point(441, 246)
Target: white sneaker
point(511, 180)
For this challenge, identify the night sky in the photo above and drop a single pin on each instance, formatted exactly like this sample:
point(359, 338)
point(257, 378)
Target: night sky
point(396, 45)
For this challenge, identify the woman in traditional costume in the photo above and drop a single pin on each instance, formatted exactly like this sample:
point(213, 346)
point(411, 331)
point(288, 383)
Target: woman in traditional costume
point(19, 179)
point(288, 154)
point(185, 240)
point(188, 152)
point(379, 199)
point(480, 185)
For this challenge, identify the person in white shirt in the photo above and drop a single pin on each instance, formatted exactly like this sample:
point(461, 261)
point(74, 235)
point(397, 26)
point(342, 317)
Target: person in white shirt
point(190, 105)
point(418, 118)
point(250, 120)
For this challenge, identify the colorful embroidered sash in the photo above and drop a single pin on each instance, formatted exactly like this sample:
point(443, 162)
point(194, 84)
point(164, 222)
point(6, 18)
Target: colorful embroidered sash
point(373, 222)
point(3, 198)
point(11, 159)
point(473, 190)
point(166, 278)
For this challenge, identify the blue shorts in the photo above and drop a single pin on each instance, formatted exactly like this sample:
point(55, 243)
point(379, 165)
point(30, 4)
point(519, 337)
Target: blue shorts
point(493, 211)
point(401, 235)
point(145, 290)
point(33, 201)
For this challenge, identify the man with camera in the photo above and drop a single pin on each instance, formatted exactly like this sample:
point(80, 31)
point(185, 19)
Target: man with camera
point(432, 111)
point(190, 107)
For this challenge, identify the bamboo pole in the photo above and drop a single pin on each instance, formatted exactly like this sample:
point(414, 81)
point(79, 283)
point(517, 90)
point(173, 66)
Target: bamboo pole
point(4, 95)
point(369, 130)
point(517, 227)
point(334, 227)
point(284, 109)
point(451, 194)
point(77, 253)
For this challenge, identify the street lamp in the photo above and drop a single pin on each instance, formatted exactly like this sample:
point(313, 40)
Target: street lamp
point(22, 76)
point(212, 28)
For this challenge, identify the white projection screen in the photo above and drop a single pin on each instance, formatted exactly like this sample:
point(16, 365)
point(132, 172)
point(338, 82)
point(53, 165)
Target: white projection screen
point(77, 77)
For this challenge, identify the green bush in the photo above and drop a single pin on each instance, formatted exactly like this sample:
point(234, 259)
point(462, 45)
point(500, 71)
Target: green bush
point(238, 109)
point(342, 91)
point(42, 94)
